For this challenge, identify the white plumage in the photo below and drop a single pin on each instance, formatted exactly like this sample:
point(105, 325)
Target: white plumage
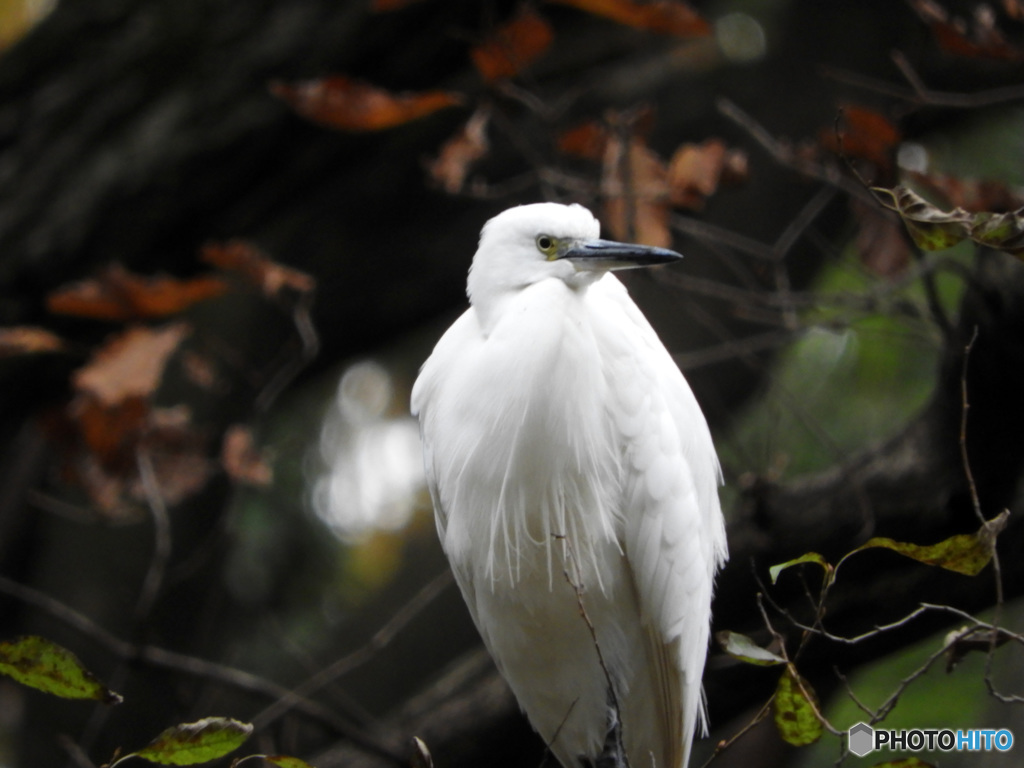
point(569, 462)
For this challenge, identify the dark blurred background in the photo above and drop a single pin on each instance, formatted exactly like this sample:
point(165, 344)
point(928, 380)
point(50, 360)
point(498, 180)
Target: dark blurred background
point(245, 515)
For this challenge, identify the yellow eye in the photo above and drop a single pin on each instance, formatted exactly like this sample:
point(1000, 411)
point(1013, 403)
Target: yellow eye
point(546, 245)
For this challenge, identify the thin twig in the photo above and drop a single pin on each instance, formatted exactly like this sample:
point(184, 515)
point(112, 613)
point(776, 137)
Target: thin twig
point(784, 154)
point(922, 96)
point(871, 301)
point(172, 661)
point(785, 242)
point(577, 589)
point(778, 640)
point(75, 752)
point(926, 96)
point(725, 744)
point(162, 545)
point(380, 639)
point(732, 349)
point(66, 615)
point(878, 629)
point(850, 692)
point(294, 363)
point(890, 703)
point(706, 232)
point(997, 570)
point(149, 591)
point(965, 407)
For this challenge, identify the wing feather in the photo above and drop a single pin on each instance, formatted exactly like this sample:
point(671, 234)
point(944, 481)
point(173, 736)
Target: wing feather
point(674, 537)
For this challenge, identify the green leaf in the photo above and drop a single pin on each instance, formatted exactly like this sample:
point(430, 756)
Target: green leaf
point(1002, 231)
point(796, 715)
point(46, 666)
point(743, 648)
point(907, 762)
point(966, 553)
point(286, 761)
point(932, 229)
point(193, 743)
point(809, 557)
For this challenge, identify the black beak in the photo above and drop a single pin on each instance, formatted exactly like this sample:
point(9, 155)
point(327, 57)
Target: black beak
point(607, 254)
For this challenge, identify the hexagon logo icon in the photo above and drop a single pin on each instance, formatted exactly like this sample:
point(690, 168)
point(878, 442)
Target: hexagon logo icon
point(861, 739)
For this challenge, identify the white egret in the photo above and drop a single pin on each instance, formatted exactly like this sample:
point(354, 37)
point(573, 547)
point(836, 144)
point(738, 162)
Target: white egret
point(575, 486)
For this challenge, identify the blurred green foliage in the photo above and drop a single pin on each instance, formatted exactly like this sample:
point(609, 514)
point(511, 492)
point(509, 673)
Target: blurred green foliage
point(861, 369)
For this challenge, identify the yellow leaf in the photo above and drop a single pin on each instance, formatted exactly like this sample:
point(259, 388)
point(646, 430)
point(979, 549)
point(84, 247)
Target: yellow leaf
point(46, 666)
point(795, 712)
point(193, 743)
point(966, 553)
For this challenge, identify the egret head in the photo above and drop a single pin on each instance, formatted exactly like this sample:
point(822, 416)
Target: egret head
point(530, 243)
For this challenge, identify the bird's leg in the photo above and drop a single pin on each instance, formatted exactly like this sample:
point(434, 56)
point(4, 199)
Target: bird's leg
point(613, 753)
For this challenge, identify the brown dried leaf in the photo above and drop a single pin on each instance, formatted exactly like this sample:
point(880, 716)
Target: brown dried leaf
point(119, 295)
point(931, 229)
point(106, 464)
point(112, 410)
point(130, 364)
point(985, 41)
point(696, 170)
point(178, 453)
point(180, 474)
point(200, 370)
point(242, 459)
point(513, 46)
point(119, 495)
point(174, 421)
point(256, 267)
point(450, 168)
point(352, 105)
point(1002, 231)
point(104, 489)
point(386, 6)
point(636, 193)
point(864, 133)
point(587, 140)
point(667, 17)
point(972, 195)
point(28, 340)
point(111, 431)
point(965, 640)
